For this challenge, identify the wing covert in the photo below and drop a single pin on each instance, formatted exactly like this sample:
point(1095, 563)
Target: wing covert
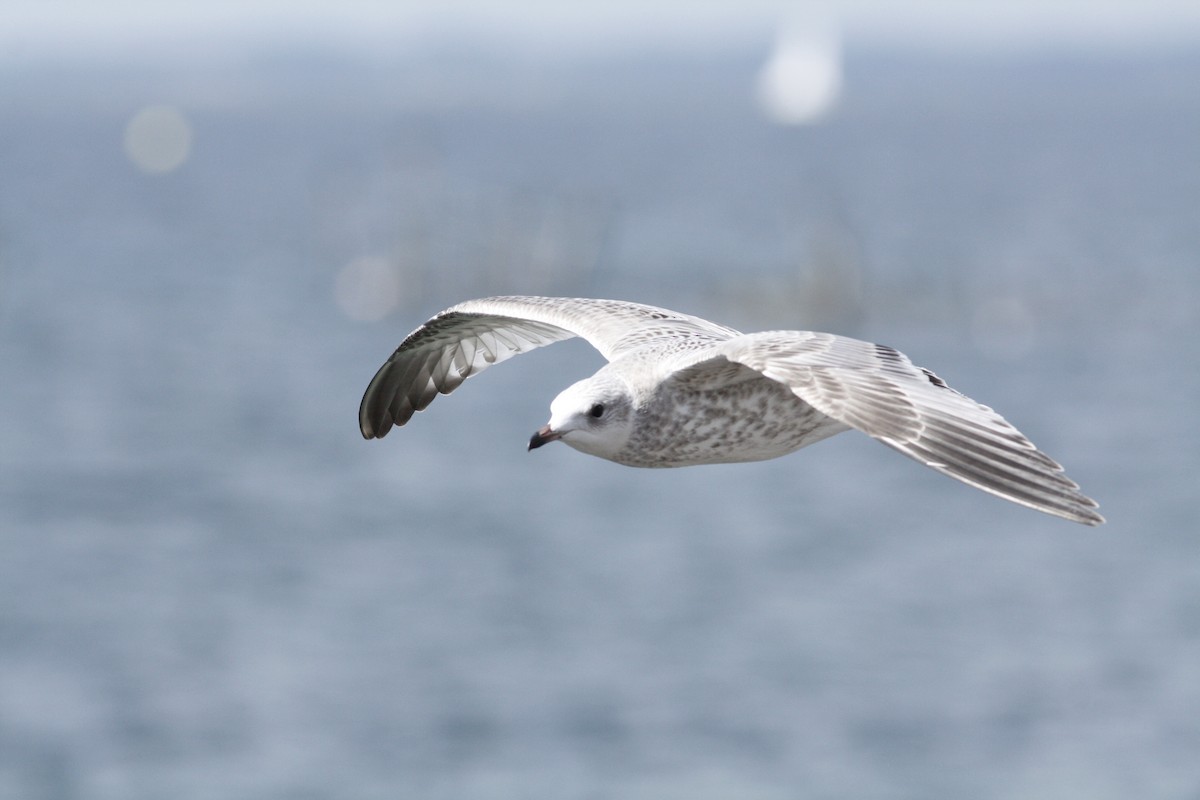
point(879, 391)
point(467, 338)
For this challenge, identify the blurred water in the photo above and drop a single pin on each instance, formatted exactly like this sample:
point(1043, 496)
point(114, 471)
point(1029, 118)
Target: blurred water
point(212, 587)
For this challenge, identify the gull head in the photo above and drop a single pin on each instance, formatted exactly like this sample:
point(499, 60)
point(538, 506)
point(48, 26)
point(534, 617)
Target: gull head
point(594, 416)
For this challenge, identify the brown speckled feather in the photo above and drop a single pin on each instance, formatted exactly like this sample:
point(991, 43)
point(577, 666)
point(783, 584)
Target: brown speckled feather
point(877, 390)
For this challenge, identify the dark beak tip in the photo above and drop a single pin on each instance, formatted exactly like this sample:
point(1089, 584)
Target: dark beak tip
point(543, 436)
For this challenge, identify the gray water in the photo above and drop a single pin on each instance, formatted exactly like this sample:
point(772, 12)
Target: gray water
point(212, 587)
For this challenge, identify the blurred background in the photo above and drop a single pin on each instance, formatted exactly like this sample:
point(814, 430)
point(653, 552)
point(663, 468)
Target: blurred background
point(217, 220)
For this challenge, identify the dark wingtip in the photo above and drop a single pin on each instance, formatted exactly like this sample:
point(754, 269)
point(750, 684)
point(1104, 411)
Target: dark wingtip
point(374, 417)
point(364, 424)
point(374, 429)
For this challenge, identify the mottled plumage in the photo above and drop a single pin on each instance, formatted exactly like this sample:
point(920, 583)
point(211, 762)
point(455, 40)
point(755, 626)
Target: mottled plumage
point(679, 390)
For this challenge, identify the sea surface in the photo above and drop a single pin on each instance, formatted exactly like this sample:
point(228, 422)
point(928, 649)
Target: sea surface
point(212, 587)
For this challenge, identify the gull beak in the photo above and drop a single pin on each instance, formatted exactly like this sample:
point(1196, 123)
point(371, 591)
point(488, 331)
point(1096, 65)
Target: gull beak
point(543, 436)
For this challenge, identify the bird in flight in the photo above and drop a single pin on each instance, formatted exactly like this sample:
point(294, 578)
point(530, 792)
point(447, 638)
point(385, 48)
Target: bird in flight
point(679, 390)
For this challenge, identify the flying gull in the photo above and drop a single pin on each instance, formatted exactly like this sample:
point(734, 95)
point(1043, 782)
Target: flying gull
point(679, 390)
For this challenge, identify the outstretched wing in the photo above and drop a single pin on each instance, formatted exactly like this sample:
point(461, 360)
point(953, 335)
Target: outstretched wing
point(469, 337)
point(877, 390)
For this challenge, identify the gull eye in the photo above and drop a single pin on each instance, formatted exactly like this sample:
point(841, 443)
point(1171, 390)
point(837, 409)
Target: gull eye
point(597, 410)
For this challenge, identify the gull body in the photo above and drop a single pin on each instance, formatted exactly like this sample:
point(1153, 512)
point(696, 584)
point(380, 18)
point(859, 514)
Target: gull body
point(680, 391)
point(670, 423)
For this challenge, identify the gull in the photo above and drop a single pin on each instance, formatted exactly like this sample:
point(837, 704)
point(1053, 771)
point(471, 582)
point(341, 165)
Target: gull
point(679, 390)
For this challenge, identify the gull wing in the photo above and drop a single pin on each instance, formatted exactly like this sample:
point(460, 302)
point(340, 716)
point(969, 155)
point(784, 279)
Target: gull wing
point(469, 337)
point(878, 391)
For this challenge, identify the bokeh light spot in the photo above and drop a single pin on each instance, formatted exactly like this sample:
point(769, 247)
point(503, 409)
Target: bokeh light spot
point(802, 80)
point(158, 139)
